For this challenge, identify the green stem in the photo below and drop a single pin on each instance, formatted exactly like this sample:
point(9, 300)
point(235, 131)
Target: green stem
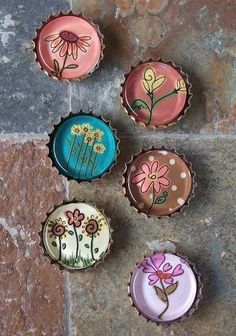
point(94, 163)
point(167, 303)
point(59, 248)
point(77, 160)
point(72, 147)
point(83, 159)
point(92, 248)
point(153, 199)
point(90, 155)
point(63, 66)
point(77, 242)
point(175, 91)
point(151, 109)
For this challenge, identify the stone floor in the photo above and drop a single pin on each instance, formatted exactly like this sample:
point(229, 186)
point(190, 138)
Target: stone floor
point(37, 299)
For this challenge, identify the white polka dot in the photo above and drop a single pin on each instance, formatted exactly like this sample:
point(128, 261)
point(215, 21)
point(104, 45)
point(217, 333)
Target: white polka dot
point(180, 201)
point(172, 162)
point(139, 184)
point(183, 175)
point(151, 158)
point(163, 152)
point(170, 209)
point(133, 168)
point(140, 205)
point(151, 196)
point(173, 187)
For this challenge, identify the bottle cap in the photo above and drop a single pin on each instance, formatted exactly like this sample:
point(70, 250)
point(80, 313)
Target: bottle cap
point(68, 46)
point(83, 146)
point(76, 235)
point(165, 288)
point(156, 93)
point(158, 182)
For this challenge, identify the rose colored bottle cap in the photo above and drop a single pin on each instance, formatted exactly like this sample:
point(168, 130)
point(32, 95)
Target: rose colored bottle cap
point(76, 235)
point(83, 147)
point(156, 93)
point(158, 182)
point(68, 46)
point(165, 288)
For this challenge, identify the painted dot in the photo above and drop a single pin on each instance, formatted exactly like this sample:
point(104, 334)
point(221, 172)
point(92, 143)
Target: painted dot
point(183, 175)
point(163, 152)
point(173, 187)
point(180, 201)
point(139, 184)
point(170, 209)
point(141, 205)
point(133, 168)
point(172, 162)
point(151, 158)
point(151, 196)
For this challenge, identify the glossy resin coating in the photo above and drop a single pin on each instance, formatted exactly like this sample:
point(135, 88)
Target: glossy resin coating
point(83, 147)
point(164, 287)
point(158, 182)
point(76, 235)
point(68, 46)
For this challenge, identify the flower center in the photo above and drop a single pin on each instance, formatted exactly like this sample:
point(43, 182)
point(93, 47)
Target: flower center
point(163, 275)
point(152, 176)
point(68, 36)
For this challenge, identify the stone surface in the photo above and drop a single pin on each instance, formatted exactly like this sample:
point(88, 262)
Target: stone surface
point(32, 290)
point(205, 232)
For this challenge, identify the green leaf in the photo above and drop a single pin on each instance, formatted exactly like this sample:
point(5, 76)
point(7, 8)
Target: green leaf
point(71, 232)
point(56, 65)
point(80, 237)
point(54, 244)
point(71, 66)
point(69, 141)
point(86, 245)
point(161, 199)
point(63, 246)
point(161, 294)
point(140, 104)
point(170, 289)
point(96, 250)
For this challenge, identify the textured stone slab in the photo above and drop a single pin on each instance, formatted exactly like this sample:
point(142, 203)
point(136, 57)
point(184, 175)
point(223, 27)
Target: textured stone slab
point(32, 290)
point(194, 34)
point(30, 101)
point(205, 232)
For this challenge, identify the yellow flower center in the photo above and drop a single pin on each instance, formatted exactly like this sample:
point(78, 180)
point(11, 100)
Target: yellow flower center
point(152, 176)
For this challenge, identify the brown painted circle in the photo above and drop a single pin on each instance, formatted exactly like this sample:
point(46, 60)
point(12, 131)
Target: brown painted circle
point(163, 172)
point(155, 93)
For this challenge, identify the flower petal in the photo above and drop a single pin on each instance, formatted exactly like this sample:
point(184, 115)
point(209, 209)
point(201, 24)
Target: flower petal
point(146, 185)
point(69, 214)
point(60, 44)
point(157, 186)
point(158, 82)
point(85, 38)
point(162, 171)
point(167, 267)
point(74, 51)
point(138, 178)
point(55, 42)
point(145, 168)
point(178, 270)
point(76, 213)
point(149, 75)
point(147, 268)
point(169, 281)
point(82, 48)
point(154, 167)
point(69, 52)
point(51, 37)
point(153, 279)
point(164, 181)
point(63, 50)
point(158, 259)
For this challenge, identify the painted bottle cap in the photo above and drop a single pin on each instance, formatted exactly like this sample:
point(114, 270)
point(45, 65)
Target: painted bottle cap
point(68, 46)
point(158, 182)
point(156, 93)
point(83, 147)
point(76, 235)
point(165, 288)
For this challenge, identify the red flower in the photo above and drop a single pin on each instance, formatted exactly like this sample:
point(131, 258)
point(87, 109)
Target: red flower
point(152, 176)
point(75, 218)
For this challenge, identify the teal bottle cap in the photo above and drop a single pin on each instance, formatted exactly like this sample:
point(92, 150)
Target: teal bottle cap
point(83, 146)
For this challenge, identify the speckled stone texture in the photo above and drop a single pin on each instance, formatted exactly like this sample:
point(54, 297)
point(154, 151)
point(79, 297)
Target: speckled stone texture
point(36, 298)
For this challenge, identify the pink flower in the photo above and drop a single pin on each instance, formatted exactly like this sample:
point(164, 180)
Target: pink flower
point(75, 218)
point(159, 270)
point(152, 176)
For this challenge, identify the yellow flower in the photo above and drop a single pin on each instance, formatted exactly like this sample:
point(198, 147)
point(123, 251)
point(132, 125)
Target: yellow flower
point(152, 82)
point(89, 138)
point(181, 85)
point(86, 128)
point(99, 148)
point(98, 134)
point(76, 130)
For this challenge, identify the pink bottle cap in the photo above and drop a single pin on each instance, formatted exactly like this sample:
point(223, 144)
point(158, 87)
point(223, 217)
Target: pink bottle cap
point(68, 46)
